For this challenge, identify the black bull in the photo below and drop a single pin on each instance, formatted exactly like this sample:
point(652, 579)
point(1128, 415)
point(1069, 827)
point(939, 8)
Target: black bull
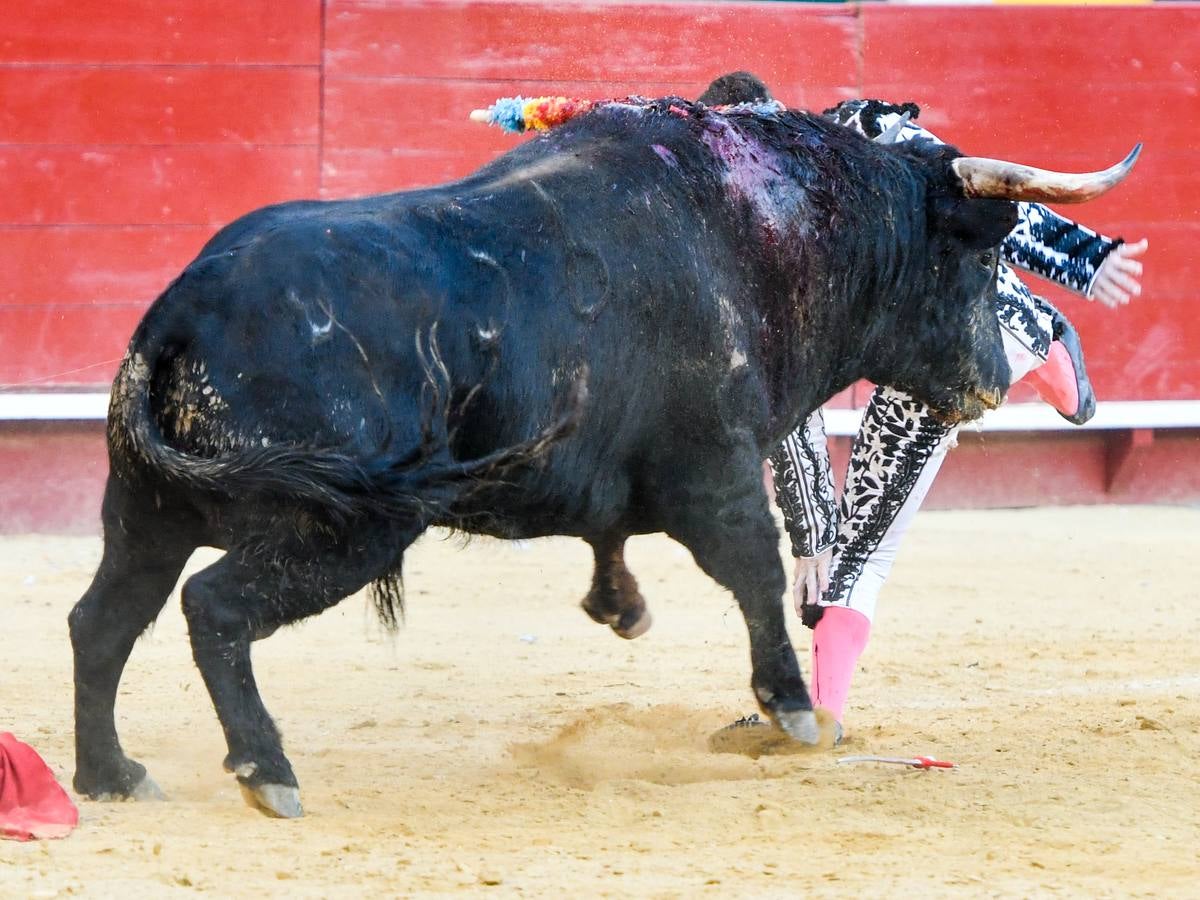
point(602, 333)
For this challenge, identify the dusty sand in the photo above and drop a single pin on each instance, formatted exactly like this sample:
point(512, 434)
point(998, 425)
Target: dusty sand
point(503, 742)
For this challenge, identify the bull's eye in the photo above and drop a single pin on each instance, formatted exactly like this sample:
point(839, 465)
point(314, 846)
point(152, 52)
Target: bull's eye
point(988, 258)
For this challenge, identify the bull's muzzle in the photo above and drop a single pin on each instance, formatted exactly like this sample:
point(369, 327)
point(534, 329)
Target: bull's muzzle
point(971, 406)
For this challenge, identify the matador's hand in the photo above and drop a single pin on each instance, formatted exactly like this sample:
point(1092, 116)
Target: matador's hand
point(1119, 276)
point(812, 579)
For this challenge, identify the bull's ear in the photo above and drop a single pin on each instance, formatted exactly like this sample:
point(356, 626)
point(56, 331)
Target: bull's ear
point(978, 224)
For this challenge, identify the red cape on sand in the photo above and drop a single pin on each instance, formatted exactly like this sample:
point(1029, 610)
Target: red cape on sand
point(32, 805)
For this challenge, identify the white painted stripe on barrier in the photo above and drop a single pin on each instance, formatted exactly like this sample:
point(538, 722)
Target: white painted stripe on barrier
point(53, 406)
point(1111, 415)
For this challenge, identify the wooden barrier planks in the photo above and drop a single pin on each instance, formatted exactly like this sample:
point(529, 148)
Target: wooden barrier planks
point(66, 264)
point(64, 344)
point(159, 105)
point(129, 131)
point(181, 32)
point(681, 44)
point(1060, 48)
point(181, 185)
point(401, 77)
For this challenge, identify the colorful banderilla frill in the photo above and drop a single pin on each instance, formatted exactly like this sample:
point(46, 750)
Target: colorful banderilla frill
point(518, 114)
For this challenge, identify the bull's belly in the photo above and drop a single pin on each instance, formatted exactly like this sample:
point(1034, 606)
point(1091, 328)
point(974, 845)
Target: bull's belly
point(521, 512)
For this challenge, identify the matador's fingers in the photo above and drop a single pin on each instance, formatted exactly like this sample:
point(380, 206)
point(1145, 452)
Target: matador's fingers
point(1119, 276)
point(1109, 294)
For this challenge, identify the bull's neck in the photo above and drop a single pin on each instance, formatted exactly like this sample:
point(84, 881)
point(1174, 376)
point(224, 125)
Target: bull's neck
point(843, 327)
point(816, 353)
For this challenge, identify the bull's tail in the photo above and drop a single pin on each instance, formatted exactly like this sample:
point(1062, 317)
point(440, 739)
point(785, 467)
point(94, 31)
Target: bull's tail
point(420, 481)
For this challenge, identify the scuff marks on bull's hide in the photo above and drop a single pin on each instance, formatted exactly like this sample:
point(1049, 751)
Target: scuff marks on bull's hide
point(189, 409)
point(753, 175)
point(556, 165)
point(323, 331)
point(487, 337)
point(665, 154)
point(488, 261)
point(568, 373)
point(734, 332)
point(586, 273)
point(483, 257)
point(320, 330)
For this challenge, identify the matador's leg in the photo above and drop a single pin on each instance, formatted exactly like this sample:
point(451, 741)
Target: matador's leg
point(896, 456)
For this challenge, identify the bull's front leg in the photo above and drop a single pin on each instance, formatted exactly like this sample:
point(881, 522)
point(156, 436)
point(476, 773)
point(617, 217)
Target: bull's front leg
point(734, 540)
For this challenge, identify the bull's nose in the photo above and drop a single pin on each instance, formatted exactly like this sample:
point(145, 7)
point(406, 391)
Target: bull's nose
point(979, 401)
point(991, 399)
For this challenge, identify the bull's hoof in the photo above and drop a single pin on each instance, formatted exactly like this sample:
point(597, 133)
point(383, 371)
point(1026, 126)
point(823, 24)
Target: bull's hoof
point(278, 800)
point(749, 736)
point(147, 791)
point(630, 630)
point(130, 782)
point(800, 724)
point(632, 623)
point(596, 615)
point(754, 737)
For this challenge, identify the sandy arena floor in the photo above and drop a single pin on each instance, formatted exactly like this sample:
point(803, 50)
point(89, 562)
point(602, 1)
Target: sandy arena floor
point(503, 743)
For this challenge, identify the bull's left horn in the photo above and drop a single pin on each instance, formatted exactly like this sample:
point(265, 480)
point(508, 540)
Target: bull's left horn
point(1000, 180)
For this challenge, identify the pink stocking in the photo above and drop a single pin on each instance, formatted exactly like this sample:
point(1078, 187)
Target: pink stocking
point(838, 640)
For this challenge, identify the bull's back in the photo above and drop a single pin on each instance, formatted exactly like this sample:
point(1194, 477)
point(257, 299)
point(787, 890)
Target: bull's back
point(320, 324)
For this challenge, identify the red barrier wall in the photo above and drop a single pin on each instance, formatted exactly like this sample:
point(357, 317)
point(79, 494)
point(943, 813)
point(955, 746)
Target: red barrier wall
point(129, 131)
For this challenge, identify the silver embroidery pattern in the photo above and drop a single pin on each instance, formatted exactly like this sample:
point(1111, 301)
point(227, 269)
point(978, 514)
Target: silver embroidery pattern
point(1058, 249)
point(898, 436)
point(804, 488)
point(1027, 318)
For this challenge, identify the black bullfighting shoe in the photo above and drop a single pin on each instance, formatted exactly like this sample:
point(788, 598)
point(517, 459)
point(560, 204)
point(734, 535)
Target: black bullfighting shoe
point(1062, 381)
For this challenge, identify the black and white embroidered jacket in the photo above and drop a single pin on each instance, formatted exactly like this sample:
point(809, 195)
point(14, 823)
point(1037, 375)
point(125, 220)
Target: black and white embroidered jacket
point(1042, 242)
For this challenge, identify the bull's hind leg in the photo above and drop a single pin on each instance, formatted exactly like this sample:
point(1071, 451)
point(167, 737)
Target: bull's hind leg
point(246, 596)
point(730, 532)
point(145, 549)
point(614, 599)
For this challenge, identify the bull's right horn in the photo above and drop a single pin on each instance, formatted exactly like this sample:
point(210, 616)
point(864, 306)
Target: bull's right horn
point(999, 180)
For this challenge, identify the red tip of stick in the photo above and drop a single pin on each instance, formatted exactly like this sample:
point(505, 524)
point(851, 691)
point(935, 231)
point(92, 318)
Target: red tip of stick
point(928, 762)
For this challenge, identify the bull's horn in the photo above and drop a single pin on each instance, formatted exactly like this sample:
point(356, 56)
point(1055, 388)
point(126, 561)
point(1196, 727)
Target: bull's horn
point(481, 115)
point(1000, 180)
point(893, 130)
